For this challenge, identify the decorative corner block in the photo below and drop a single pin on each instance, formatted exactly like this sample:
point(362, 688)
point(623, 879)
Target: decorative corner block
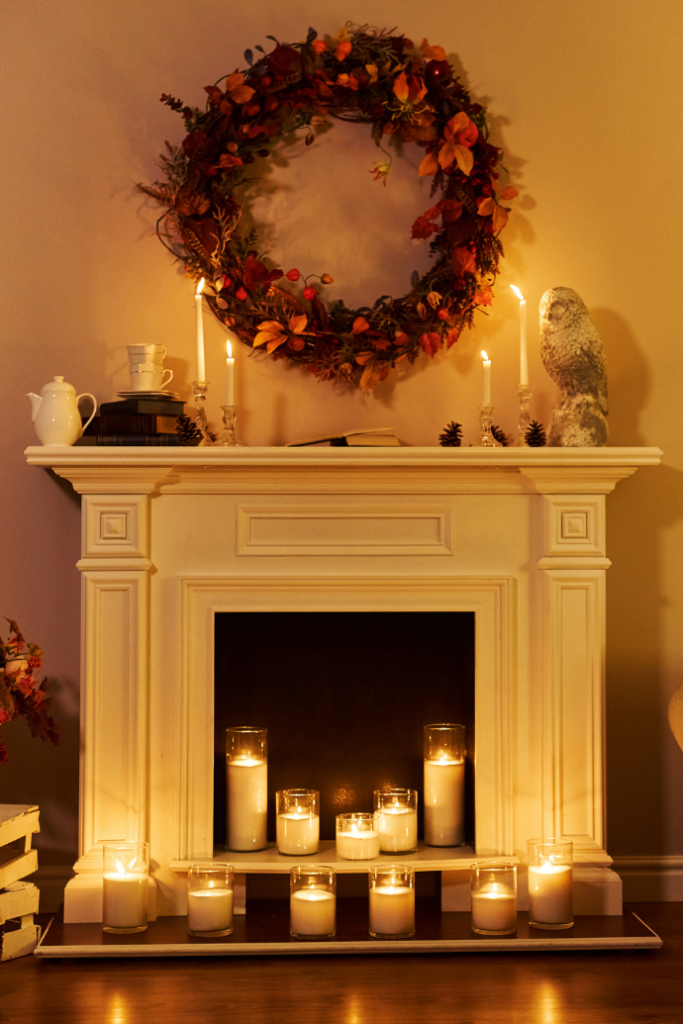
point(575, 525)
point(115, 526)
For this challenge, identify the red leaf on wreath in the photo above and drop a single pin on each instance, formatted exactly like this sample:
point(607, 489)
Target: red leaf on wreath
point(463, 261)
point(189, 202)
point(428, 165)
point(452, 336)
point(319, 45)
point(238, 91)
point(256, 273)
point(372, 375)
point(215, 94)
point(401, 338)
point(205, 231)
point(509, 192)
point(343, 50)
point(283, 60)
point(360, 325)
point(430, 343)
point(451, 210)
point(192, 142)
point(228, 160)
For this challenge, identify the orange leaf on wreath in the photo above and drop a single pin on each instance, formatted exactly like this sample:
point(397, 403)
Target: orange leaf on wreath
point(360, 324)
point(428, 165)
point(343, 50)
point(463, 261)
point(363, 357)
point(430, 343)
point(432, 52)
point(509, 192)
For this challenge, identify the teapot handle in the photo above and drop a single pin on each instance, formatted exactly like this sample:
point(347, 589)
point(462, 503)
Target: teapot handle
point(86, 394)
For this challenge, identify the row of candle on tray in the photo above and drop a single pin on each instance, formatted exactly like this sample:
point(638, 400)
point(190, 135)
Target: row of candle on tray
point(313, 895)
point(392, 829)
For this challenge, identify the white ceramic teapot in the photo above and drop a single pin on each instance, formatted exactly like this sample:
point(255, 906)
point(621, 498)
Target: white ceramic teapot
point(56, 415)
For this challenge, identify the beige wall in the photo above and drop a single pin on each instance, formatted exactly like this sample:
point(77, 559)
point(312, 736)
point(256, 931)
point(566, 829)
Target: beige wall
point(585, 97)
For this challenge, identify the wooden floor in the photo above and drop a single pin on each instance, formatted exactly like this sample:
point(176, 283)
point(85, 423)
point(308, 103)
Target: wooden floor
point(639, 987)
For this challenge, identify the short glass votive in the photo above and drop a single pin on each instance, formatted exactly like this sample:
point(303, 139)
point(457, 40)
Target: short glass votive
point(210, 900)
point(397, 819)
point(298, 821)
point(357, 835)
point(444, 784)
point(493, 888)
point(125, 886)
point(392, 901)
point(550, 883)
point(312, 902)
point(246, 754)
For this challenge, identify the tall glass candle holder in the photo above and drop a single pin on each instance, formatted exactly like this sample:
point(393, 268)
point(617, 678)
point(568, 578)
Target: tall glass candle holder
point(125, 887)
point(550, 883)
point(298, 821)
point(357, 836)
point(493, 887)
point(210, 900)
point(312, 902)
point(397, 819)
point(444, 784)
point(246, 752)
point(200, 389)
point(392, 901)
point(228, 438)
point(486, 437)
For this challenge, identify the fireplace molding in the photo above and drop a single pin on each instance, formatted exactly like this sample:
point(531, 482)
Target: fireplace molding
point(171, 537)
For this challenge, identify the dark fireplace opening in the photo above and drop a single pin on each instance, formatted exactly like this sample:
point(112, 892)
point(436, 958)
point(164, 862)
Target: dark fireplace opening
point(344, 696)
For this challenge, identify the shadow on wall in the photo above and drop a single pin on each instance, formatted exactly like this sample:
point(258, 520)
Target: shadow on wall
point(639, 512)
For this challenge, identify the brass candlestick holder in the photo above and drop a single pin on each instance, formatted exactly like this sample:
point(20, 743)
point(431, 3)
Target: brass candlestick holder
point(200, 389)
point(524, 392)
point(487, 440)
point(228, 438)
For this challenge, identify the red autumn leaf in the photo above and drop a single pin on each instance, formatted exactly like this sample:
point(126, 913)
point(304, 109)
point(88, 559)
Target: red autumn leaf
point(256, 273)
point(192, 142)
point(381, 343)
point(452, 336)
point(360, 325)
point(189, 202)
point(451, 210)
point(463, 261)
point(215, 94)
point(363, 357)
point(430, 343)
point(283, 60)
point(228, 160)
point(319, 45)
point(343, 50)
point(205, 231)
point(401, 338)
point(509, 192)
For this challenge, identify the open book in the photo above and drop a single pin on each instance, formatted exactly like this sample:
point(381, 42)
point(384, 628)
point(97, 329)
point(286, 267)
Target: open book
point(381, 437)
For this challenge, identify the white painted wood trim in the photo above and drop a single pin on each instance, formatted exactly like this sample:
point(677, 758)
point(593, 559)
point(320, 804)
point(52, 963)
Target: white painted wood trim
point(654, 878)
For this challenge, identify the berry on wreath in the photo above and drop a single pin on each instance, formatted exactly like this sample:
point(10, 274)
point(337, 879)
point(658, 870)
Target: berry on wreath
point(408, 94)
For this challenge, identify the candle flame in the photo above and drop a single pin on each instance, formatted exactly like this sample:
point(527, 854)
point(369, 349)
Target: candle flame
point(200, 287)
point(518, 293)
point(484, 356)
point(120, 868)
point(229, 348)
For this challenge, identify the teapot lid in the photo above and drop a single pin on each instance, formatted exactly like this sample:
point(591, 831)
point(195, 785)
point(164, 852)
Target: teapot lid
point(58, 384)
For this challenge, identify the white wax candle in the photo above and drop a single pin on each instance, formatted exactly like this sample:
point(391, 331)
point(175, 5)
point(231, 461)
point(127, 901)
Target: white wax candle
point(312, 912)
point(297, 832)
point(494, 908)
point(124, 900)
point(247, 803)
point(550, 893)
point(397, 829)
point(392, 910)
point(201, 371)
point(486, 396)
point(357, 845)
point(209, 910)
point(229, 376)
point(523, 363)
point(444, 797)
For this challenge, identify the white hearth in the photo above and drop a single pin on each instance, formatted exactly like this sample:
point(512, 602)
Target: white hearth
point(171, 537)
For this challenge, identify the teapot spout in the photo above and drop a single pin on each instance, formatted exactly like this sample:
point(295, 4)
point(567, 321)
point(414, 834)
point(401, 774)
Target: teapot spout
point(36, 402)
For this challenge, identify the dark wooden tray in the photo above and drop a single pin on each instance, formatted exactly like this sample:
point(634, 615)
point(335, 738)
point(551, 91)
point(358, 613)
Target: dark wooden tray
point(264, 931)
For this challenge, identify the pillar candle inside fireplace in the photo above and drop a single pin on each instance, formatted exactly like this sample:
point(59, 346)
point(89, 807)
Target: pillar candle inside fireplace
point(550, 883)
point(444, 784)
point(392, 901)
point(397, 810)
point(247, 765)
point(298, 821)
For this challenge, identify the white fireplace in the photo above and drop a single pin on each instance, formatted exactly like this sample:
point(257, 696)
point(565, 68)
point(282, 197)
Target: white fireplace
point(173, 537)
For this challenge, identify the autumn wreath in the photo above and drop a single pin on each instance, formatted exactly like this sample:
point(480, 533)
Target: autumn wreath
point(367, 77)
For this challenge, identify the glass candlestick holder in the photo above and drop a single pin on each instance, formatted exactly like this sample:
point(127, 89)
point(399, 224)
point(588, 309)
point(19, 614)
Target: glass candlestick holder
point(200, 388)
point(228, 438)
point(524, 421)
point(486, 440)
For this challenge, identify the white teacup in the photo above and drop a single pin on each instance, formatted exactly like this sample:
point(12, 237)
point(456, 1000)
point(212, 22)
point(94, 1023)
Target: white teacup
point(146, 354)
point(149, 377)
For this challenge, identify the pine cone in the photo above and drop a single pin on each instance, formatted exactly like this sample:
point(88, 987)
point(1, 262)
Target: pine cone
point(500, 436)
point(188, 431)
point(452, 436)
point(535, 435)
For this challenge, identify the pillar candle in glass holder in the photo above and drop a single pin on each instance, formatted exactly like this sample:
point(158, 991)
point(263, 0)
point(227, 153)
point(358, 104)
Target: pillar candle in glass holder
point(397, 819)
point(125, 886)
point(312, 902)
point(297, 821)
point(550, 883)
point(210, 899)
point(493, 887)
point(246, 751)
point(357, 836)
point(392, 901)
point(444, 784)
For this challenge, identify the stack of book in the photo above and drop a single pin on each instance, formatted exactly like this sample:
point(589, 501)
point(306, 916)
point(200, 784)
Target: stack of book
point(18, 899)
point(148, 421)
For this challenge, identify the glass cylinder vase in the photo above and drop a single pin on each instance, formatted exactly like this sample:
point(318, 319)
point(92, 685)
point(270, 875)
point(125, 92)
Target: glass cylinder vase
point(246, 753)
point(210, 900)
point(397, 809)
point(444, 784)
point(125, 887)
point(493, 888)
point(392, 901)
point(312, 902)
point(550, 883)
point(357, 835)
point(297, 821)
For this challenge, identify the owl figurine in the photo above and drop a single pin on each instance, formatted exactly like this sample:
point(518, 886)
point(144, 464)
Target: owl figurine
point(572, 353)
